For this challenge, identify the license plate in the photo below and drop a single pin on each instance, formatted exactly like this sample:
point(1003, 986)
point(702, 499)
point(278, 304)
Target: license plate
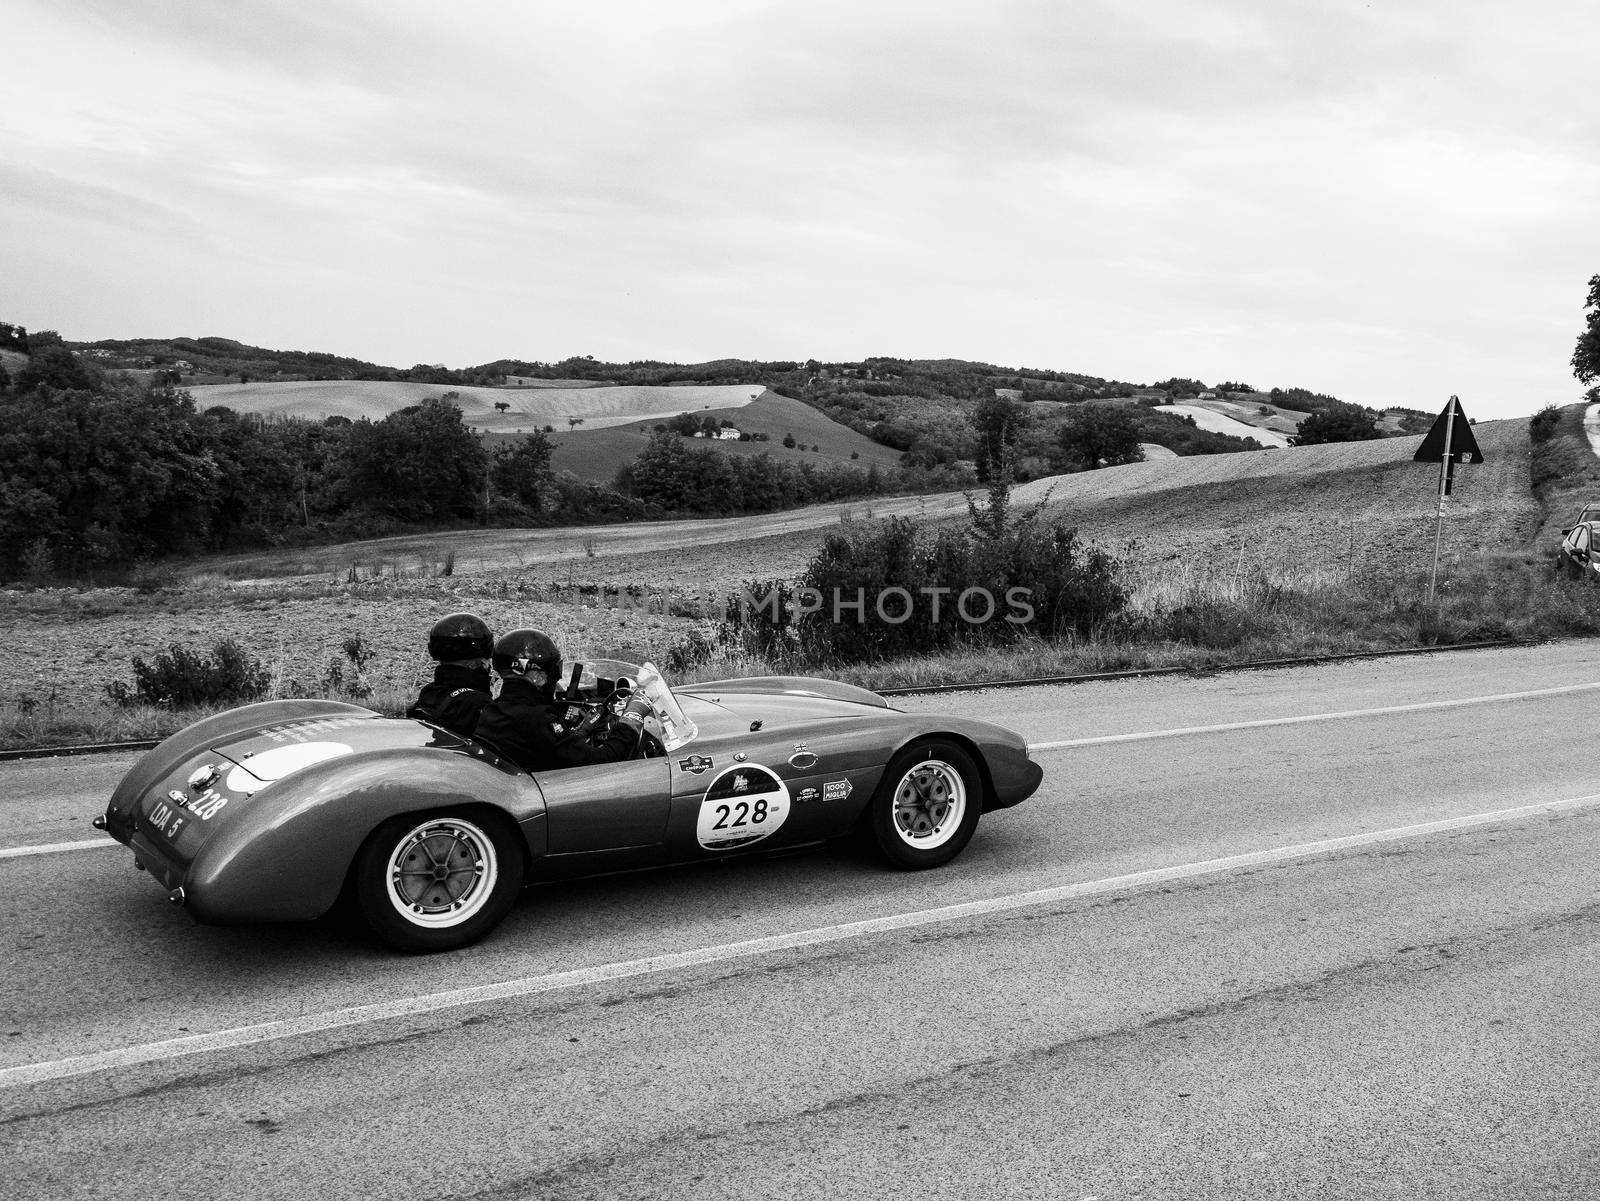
point(165, 821)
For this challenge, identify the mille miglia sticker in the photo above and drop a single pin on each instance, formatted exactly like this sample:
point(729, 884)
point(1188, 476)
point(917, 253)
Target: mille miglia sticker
point(698, 764)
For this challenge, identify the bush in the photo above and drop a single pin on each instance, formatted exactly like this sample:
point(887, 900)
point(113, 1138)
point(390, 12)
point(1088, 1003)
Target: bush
point(1211, 623)
point(179, 678)
point(1542, 425)
point(883, 591)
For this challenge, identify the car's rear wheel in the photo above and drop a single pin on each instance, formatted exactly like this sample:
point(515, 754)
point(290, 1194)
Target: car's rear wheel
point(927, 807)
point(438, 882)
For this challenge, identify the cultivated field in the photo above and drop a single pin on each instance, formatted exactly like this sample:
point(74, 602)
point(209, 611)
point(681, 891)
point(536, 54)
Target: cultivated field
point(1296, 516)
point(1223, 418)
point(527, 409)
point(596, 454)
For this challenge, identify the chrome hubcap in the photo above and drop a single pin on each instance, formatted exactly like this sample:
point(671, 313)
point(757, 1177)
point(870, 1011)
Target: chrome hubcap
point(442, 872)
point(929, 804)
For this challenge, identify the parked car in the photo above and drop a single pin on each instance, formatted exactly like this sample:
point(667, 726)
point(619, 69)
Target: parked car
point(277, 811)
point(1579, 553)
point(1589, 512)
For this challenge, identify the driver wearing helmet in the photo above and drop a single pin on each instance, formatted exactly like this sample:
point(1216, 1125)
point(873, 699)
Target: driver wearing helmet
point(526, 723)
point(462, 644)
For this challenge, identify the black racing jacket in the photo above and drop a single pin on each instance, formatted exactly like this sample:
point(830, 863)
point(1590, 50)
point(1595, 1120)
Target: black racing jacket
point(455, 698)
point(539, 733)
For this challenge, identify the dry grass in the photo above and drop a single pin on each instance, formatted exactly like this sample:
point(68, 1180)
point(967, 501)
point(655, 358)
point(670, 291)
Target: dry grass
point(1315, 550)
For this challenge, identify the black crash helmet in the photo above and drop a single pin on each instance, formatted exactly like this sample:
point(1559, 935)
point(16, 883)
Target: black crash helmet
point(460, 636)
point(520, 651)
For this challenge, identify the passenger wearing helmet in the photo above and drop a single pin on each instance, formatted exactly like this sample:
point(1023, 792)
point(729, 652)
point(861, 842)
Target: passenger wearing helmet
point(526, 723)
point(462, 644)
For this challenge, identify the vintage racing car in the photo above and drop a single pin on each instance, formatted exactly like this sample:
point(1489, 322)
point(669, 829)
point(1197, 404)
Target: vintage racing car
point(276, 811)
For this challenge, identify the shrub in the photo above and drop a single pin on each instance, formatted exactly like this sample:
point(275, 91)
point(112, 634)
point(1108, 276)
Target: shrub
point(688, 653)
point(38, 562)
point(180, 678)
point(352, 683)
point(1542, 425)
point(883, 591)
point(1211, 623)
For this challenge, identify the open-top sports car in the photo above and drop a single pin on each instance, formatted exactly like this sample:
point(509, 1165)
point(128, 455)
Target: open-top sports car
point(276, 811)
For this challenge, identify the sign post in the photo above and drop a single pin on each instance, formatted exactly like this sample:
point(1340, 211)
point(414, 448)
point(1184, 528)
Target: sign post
point(1449, 442)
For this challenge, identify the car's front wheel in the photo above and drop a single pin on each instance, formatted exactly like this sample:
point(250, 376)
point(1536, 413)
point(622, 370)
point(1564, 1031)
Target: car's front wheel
point(438, 882)
point(926, 809)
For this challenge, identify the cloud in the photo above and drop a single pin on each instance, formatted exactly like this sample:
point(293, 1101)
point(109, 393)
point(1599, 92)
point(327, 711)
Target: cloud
point(1175, 188)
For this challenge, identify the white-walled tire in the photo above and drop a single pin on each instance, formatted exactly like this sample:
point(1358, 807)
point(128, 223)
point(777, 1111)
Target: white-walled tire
point(927, 806)
point(440, 881)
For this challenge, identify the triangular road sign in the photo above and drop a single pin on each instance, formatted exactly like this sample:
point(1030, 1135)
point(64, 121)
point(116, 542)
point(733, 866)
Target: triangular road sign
point(1463, 444)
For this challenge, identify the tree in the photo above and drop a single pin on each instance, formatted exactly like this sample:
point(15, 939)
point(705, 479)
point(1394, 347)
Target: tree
point(501, 406)
point(662, 473)
point(521, 470)
point(998, 423)
point(419, 464)
point(1586, 356)
point(1099, 435)
point(1346, 423)
point(56, 367)
point(104, 475)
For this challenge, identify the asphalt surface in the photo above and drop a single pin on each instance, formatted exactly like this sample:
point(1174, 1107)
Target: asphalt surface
point(1411, 1017)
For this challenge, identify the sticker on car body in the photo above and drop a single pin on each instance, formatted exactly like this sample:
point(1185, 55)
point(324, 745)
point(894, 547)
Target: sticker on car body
point(742, 805)
point(836, 790)
point(698, 764)
point(257, 771)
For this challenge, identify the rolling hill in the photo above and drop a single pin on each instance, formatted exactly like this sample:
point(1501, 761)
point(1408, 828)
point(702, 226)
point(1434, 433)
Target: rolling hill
point(1311, 508)
point(1221, 417)
point(596, 454)
point(1292, 516)
point(527, 408)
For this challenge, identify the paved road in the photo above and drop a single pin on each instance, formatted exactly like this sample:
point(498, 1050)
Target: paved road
point(1252, 1014)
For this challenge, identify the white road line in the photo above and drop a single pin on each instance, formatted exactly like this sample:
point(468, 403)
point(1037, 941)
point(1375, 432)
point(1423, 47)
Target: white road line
point(410, 1007)
point(1064, 744)
point(52, 848)
point(1342, 715)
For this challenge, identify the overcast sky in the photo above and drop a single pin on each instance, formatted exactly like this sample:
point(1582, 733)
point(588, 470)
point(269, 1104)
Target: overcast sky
point(1389, 202)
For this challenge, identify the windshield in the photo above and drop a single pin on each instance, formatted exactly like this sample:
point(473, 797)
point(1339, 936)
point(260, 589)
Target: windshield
point(600, 679)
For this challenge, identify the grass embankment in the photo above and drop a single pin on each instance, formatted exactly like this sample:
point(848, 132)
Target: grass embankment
point(1204, 612)
point(1193, 619)
point(1566, 473)
point(1206, 623)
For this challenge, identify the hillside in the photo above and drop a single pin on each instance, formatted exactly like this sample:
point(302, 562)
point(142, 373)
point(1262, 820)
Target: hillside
point(1296, 516)
point(1239, 421)
point(1304, 506)
point(527, 409)
point(597, 453)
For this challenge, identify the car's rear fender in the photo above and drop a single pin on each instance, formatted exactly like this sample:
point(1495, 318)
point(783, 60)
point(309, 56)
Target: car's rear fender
point(159, 762)
point(285, 855)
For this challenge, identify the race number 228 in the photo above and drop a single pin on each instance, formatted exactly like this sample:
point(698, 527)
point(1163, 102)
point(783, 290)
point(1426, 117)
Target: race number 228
point(742, 813)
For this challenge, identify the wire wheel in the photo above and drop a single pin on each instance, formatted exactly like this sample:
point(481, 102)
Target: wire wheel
point(929, 803)
point(442, 873)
